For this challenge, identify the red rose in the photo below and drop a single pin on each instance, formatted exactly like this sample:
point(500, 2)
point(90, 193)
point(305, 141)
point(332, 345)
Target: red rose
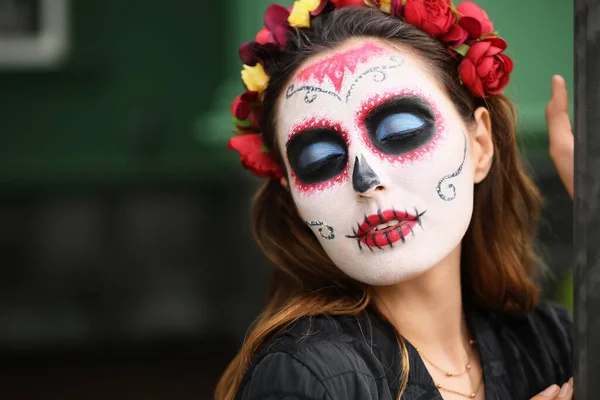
point(320, 8)
point(484, 70)
point(474, 20)
point(264, 36)
point(456, 36)
point(252, 156)
point(434, 17)
point(347, 3)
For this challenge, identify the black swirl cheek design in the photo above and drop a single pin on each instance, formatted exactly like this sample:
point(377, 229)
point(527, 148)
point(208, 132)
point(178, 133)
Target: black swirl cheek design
point(330, 234)
point(310, 95)
point(447, 191)
point(379, 74)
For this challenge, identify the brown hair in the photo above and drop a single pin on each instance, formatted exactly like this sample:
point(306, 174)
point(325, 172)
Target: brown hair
point(498, 259)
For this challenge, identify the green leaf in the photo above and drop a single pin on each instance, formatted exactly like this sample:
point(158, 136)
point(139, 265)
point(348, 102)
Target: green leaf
point(455, 11)
point(264, 149)
point(493, 34)
point(238, 122)
point(462, 49)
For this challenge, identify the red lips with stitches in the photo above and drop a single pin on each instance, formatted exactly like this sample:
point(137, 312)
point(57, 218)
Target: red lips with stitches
point(386, 227)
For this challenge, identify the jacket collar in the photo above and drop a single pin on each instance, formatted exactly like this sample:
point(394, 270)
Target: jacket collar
point(484, 326)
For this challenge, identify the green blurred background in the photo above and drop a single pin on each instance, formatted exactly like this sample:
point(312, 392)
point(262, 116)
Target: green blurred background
point(145, 89)
point(129, 269)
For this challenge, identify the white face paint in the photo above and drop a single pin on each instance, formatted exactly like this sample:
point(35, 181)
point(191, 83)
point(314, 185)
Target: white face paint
point(378, 161)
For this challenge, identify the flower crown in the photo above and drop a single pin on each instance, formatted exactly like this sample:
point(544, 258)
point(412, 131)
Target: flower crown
point(466, 30)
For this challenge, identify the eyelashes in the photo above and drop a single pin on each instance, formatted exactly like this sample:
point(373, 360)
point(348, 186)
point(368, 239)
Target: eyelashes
point(400, 125)
point(317, 155)
point(320, 153)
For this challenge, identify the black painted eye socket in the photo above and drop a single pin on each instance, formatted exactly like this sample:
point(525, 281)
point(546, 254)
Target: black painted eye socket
point(400, 125)
point(317, 155)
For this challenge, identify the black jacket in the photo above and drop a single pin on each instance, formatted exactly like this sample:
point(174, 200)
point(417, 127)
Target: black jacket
point(357, 358)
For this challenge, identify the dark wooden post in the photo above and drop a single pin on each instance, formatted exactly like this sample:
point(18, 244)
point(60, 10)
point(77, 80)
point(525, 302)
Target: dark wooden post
point(587, 200)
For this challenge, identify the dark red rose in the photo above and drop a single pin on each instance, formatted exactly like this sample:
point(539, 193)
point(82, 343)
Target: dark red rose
point(485, 70)
point(396, 9)
point(474, 20)
point(249, 53)
point(276, 26)
point(275, 15)
point(252, 155)
point(455, 37)
point(245, 109)
point(434, 17)
point(240, 108)
point(346, 3)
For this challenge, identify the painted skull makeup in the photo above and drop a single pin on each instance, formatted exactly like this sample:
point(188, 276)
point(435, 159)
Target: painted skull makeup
point(374, 147)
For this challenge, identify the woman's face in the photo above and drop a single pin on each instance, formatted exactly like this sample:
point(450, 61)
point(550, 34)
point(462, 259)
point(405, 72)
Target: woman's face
point(378, 161)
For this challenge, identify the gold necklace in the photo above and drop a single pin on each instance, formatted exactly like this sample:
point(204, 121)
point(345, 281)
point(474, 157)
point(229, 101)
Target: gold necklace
point(454, 374)
point(466, 395)
point(448, 373)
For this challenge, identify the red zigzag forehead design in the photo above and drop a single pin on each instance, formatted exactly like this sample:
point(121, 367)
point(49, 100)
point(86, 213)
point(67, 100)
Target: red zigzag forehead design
point(334, 67)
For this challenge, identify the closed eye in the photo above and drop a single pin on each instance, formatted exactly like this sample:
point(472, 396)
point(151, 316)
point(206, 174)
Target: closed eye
point(317, 155)
point(400, 125)
point(395, 126)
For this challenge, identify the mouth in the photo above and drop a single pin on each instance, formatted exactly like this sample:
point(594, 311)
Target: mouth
point(385, 228)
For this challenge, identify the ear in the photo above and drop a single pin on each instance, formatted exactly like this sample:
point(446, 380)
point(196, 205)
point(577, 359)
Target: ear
point(482, 144)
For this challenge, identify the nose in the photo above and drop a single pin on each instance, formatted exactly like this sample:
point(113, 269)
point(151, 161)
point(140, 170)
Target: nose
point(364, 179)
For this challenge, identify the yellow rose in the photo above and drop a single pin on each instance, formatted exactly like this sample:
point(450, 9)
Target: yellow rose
point(300, 15)
point(312, 4)
point(385, 6)
point(255, 78)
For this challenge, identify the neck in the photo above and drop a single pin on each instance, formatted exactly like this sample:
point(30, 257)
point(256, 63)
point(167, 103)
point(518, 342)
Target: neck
point(428, 309)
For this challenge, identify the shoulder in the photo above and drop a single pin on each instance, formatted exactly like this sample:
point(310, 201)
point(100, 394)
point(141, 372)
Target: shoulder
point(541, 341)
point(555, 319)
point(322, 358)
point(549, 323)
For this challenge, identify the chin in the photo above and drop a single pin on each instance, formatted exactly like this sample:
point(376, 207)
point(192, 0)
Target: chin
point(391, 267)
point(387, 275)
point(396, 276)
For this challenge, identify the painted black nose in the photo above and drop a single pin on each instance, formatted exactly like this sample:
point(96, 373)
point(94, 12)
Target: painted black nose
point(363, 176)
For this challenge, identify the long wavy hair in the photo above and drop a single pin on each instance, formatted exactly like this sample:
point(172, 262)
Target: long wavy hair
point(498, 259)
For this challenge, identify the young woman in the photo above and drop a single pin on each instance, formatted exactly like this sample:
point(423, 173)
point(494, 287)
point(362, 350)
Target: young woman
point(396, 211)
